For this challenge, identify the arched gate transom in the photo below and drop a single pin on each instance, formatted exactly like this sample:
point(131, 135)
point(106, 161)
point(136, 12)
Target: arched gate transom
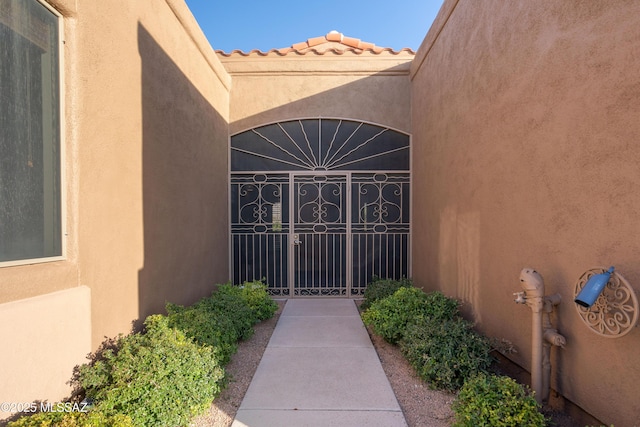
point(320, 206)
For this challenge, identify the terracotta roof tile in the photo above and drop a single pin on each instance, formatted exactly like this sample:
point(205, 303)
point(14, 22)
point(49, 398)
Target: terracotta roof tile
point(297, 46)
point(316, 41)
point(334, 42)
point(334, 36)
point(365, 45)
point(350, 41)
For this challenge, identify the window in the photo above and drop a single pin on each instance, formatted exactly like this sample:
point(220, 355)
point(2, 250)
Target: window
point(30, 184)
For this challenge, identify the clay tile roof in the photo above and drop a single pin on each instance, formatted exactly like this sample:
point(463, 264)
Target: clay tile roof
point(334, 42)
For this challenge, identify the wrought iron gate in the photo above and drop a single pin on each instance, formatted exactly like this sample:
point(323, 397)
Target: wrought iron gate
point(320, 234)
point(319, 206)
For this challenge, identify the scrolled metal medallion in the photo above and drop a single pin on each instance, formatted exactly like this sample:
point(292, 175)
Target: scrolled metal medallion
point(615, 312)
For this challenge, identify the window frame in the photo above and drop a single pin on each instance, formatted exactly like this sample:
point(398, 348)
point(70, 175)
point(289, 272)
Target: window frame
point(61, 149)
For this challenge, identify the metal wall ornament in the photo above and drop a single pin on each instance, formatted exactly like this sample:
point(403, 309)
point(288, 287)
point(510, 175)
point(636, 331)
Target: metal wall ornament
point(615, 312)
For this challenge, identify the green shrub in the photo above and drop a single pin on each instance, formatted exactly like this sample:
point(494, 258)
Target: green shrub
point(256, 297)
point(158, 378)
point(73, 419)
point(382, 288)
point(440, 307)
point(218, 321)
point(232, 307)
point(445, 353)
point(225, 317)
point(496, 401)
point(390, 316)
point(170, 372)
point(211, 329)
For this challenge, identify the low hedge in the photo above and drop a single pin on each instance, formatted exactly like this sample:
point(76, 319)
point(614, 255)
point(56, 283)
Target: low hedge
point(158, 378)
point(446, 353)
point(169, 372)
point(496, 401)
point(443, 348)
point(382, 288)
point(219, 321)
point(224, 318)
point(390, 316)
point(254, 294)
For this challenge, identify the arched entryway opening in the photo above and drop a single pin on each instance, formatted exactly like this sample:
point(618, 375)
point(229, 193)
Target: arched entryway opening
point(319, 207)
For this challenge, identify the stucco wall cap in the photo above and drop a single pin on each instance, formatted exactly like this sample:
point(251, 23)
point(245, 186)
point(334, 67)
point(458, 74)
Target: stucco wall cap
point(334, 43)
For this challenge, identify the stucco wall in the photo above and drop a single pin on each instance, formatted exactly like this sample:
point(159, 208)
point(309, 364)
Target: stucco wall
point(368, 87)
point(146, 106)
point(525, 132)
point(152, 160)
point(59, 324)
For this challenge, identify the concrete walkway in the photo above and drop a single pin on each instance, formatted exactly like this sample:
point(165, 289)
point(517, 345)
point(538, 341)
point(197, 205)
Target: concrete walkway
point(319, 369)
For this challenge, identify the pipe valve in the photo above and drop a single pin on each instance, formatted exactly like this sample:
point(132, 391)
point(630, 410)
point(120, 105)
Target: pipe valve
point(543, 335)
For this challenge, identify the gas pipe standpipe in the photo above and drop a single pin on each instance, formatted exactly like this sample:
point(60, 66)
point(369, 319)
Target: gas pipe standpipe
point(533, 285)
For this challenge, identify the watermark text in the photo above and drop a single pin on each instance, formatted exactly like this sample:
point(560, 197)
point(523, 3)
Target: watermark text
point(43, 407)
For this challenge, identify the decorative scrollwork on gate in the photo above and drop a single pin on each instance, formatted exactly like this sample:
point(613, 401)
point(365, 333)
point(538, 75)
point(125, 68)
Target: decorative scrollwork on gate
point(259, 229)
point(320, 224)
point(380, 227)
point(615, 312)
point(320, 205)
point(381, 201)
point(325, 292)
point(258, 202)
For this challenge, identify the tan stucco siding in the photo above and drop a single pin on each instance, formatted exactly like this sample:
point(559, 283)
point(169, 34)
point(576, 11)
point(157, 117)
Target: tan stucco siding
point(525, 130)
point(153, 203)
point(146, 108)
point(369, 88)
point(59, 324)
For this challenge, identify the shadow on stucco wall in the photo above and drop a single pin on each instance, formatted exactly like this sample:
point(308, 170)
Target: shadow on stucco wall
point(184, 162)
point(381, 98)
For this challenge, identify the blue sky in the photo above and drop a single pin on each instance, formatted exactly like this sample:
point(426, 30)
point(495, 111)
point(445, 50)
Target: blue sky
point(265, 24)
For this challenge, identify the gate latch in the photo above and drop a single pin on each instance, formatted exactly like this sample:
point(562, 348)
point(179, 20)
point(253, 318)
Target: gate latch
point(296, 239)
